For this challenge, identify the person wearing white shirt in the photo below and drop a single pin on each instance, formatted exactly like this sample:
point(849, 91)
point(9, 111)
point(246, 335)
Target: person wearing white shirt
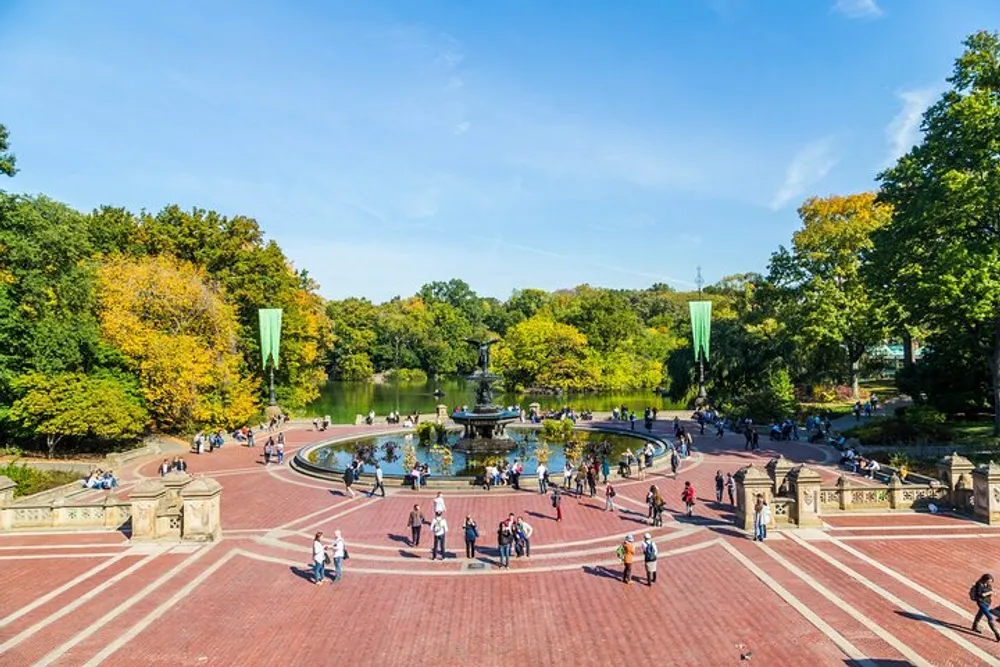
point(440, 528)
point(439, 507)
point(379, 485)
point(319, 559)
point(542, 489)
point(339, 549)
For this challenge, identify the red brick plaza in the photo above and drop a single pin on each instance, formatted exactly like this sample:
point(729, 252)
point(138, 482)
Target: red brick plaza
point(869, 589)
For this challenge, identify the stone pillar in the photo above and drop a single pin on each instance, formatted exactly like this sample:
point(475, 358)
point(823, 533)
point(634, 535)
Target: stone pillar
point(114, 517)
point(174, 482)
point(953, 470)
point(202, 510)
point(7, 486)
point(896, 493)
point(963, 494)
point(60, 518)
point(442, 411)
point(806, 483)
point(146, 499)
point(750, 481)
point(844, 487)
point(778, 470)
point(986, 491)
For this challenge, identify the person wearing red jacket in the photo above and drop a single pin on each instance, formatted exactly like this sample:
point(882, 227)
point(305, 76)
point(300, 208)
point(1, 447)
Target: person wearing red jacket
point(687, 496)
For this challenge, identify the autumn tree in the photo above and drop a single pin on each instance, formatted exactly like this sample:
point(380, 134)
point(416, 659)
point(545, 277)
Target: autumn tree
point(540, 352)
point(941, 253)
point(821, 297)
point(179, 337)
point(64, 405)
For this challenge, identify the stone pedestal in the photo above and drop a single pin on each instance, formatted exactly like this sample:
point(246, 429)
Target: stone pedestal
point(114, 512)
point(986, 493)
point(272, 411)
point(202, 510)
point(146, 498)
point(7, 486)
point(174, 482)
point(778, 470)
point(955, 472)
point(895, 493)
point(844, 491)
point(750, 481)
point(441, 411)
point(806, 484)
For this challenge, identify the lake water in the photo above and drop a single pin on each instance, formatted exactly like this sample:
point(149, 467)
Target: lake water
point(388, 450)
point(344, 400)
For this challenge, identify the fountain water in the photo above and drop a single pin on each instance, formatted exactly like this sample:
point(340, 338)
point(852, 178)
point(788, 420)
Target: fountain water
point(484, 424)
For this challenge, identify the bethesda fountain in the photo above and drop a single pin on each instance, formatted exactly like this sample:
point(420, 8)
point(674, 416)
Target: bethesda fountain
point(484, 423)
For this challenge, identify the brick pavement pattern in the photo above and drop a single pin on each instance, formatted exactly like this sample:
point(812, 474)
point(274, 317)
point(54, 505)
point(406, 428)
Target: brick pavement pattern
point(871, 590)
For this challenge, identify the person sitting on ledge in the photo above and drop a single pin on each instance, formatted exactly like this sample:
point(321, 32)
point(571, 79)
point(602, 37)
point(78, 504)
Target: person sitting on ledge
point(873, 468)
point(108, 481)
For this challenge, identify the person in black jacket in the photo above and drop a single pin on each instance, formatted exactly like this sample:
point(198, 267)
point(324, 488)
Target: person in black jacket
point(982, 595)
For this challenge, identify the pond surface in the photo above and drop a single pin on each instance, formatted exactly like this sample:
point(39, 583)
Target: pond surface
point(388, 450)
point(344, 400)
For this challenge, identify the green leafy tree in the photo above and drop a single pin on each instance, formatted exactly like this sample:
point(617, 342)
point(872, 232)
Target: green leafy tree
point(76, 405)
point(822, 298)
point(8, 163)
point(352, 323)
point(941, 253)
point(541, 352)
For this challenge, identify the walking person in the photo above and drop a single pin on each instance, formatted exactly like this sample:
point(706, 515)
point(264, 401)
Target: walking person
point(761, 518)
point(280, 448)
point(649, 555)
point(523, 533)
point(415, 523)
point(658, 506)
point(626, 554)
point(471, 535)
point(731, 488)
point(592, 481)
point(982, 594)
point(319, 559)
point(349, 480)
point(557, 503)
point(675, 461)
point(439, 527)
point(605, 469)
point(580, 479)
point(542, 481)
point(379, 484)
point(720, 483)
point(687, 496)
point(339, 549)
point(609, 497)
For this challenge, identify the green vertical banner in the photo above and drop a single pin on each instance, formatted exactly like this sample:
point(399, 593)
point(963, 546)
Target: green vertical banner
point(270, 334)
point(701, 326)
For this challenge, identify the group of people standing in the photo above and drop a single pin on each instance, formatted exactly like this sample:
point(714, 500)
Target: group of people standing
point(512, 533)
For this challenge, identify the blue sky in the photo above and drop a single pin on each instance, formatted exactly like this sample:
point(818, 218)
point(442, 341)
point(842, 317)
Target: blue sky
point(511, 144)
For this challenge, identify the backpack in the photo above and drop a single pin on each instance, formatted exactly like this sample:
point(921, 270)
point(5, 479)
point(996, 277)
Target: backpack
point(973, 593)
point(612, 493)
point(620, 552)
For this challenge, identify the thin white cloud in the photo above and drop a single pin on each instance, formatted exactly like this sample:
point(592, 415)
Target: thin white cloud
point(809, 166)
point(858, 9)
point(461, 128)
point(903, 130)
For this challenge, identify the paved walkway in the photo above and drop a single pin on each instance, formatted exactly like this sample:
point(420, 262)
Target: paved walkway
point(868, 589)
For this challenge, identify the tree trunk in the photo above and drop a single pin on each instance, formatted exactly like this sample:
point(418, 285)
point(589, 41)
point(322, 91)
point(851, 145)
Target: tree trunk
point(995, 376)
point(50, 441)
point(907, 348)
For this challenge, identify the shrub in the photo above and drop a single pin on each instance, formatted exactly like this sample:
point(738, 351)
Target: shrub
point(406, 376)
point(559, 430)
point(440, 431)
point(426, 432)
point(31, 480)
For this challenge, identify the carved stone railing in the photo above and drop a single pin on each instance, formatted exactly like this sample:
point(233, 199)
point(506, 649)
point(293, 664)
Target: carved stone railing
point(174, 508)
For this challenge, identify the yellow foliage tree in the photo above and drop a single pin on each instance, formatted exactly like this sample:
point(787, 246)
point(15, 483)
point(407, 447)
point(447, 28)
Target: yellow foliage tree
point(179, 336)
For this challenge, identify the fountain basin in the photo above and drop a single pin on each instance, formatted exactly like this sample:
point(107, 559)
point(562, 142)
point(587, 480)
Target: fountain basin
point(328, 459)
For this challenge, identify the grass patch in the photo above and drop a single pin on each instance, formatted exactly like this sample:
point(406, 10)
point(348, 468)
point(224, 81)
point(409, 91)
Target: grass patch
point(30, 481)
point(885, 389)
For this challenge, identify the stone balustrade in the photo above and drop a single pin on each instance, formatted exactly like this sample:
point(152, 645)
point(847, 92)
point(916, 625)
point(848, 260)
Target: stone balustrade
point(176, 507)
